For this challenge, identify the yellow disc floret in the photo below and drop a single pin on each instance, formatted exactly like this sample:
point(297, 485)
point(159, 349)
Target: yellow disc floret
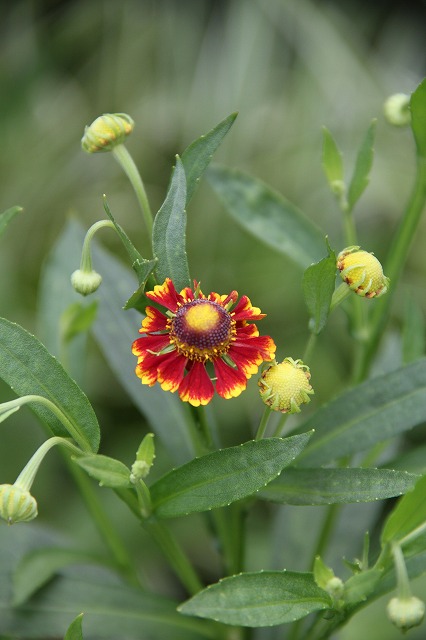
point(362, 272)
point(202, 317)
point(285, 386)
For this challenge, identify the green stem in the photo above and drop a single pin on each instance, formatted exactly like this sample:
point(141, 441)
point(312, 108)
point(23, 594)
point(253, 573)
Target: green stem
point(29, 472)
point(403, 581)
point(326, 529)
point(309, 347)
point(86, 256)
point(280, 426)
point(126, 162)
point(397, 256)
point(263, 423)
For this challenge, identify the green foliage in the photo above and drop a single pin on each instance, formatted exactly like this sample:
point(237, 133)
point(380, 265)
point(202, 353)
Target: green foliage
point(7, 216)
point(108, 471)
point(75, 630)
point(409, 514)
point(318, 286)
point(77, 318)
point(418, 118)
point(363, 164)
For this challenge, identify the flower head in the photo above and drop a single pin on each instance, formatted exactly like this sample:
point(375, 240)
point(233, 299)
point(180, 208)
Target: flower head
point(397, 109)
point(362, 272)
point(16, 504)
point(198, 333)
point(285, 386)
point(406, 613)
point(85, 282)
point(106, 132)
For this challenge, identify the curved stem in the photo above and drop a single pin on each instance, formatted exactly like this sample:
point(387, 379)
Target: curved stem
point(126, 162)
point(86, 256)
point(263, 423)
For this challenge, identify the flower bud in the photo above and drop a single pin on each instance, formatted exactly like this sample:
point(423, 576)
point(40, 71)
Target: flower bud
point(405, 613)
point(106, 132)
point(397, 110)
point(85, 282)
point(362, 272)
point(16, 504)
point(285, 386)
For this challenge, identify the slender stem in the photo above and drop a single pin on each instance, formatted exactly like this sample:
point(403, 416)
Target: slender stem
point(263, 423)
point(86, 256)
point(126, 162)
point(403, 581)
point(309, 347)
point(29, 472)
point(326, 529)
point(280, 426)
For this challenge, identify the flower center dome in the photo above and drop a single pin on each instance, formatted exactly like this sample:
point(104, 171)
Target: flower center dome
point(201, 328)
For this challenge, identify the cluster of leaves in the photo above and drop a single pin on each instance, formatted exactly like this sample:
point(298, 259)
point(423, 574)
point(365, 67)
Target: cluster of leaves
point(302, 469)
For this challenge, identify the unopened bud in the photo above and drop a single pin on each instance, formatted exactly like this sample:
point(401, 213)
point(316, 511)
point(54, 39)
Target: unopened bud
point(397, 110)
point(362, 272)
point(85, 282)
point(16, 504)
point(106, 132)
point(285, 386)
point(405, 613)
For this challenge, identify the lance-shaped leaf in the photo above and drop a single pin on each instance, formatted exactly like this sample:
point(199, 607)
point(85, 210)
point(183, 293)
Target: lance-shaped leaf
point(259, 599)
point(29, 369)
point(334, 486)
point(409, 514)
point(318, 286)
point(196, 158)
point(7, 216)
point(418, 118)
point(363, 164)
point(75, 630)
point(169, 232)
point(108, 471)
point(224, 476)
point(332, 163)
point(267, 215)
point(372, 412)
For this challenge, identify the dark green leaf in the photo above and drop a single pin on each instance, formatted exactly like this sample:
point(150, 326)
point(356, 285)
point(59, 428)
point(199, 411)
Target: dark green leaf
point(418, 117)
point(29, 369)
point(267, 215)
point(197, 156)
point(318, 286)
point(77, 318)
point(259, 599)
point(169, 233)
point(75, 630)
point(409, 513)
point(108, 471)
point(364, 161)
point(224, 476)
point(332, 163)
point(372, 412)
point(7, 216)
point(333, 486)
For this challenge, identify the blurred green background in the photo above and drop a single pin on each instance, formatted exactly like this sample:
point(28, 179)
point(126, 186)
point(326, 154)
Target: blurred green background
point(178, 68)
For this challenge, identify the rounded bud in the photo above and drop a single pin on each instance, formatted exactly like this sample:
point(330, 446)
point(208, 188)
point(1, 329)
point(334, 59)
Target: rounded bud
point(85, 282)
point(16, 504)
point(106, 132)
point(285, 386)
point(335, 587)
point(397, 110)
point(362, 272)
point(405, 613)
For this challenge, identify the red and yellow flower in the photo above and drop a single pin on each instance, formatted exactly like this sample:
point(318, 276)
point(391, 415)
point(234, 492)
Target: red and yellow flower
point(199, 336)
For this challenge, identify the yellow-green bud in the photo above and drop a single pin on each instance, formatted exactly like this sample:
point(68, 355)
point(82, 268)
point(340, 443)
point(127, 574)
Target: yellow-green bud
point(405, 613)
point(106, 132)
point(397, 110)
point(85, 282)
point(16, 504)
point(335, 587)
point(362, 272)
point(285, 386)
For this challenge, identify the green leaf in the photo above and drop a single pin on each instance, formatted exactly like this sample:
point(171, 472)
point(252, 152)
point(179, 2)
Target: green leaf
point(334, 486)
point(363, 164)
point(75, 630)
point(362, 585)
point(267, 215)
point(39, 566)
point(109, 471)
point(196, 158)
point(168, 234)
point(29, 369)
point(413, 331)
point(372, 412)
point(418, 118)
point(259, 599)
point(7, 216)
point(409, 513)
point(318, 286)
point(77, 318)
point(224, 476)
point(332, 163)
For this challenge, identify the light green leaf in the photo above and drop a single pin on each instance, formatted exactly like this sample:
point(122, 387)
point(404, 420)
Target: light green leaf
point(363, 164)
point(361, 585)
point(29, 369)
point(75, 630)
point(108, 471)
point(409, 513)
point(418, 117)
point(77, 318)
point(7, 216)
point(168, 234)
point(318, 286)
point(332, 163)
point(224, 476)
point(413, 331)
point(334, 486)
point(372, 412)
point(267, 215)
point(259, 599)
point(196, 158)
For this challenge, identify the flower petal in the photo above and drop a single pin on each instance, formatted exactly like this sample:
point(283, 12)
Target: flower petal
point(147, 344)
point(230, 382)
point(245, 311)
point(166, 295)
point(196, 387)
point(248, 355)
point(170, 371)
point(154, 321)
